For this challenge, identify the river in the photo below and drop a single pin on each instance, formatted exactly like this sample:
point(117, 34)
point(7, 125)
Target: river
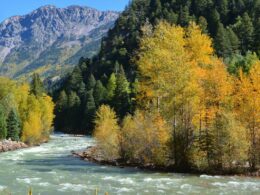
point(50, 169)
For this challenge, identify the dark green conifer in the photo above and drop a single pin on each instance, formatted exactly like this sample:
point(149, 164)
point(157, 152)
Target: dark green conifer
point(37, 87)
point(13, 126)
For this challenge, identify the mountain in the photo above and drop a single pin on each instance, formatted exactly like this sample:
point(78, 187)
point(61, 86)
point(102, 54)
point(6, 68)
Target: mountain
point(50, 39)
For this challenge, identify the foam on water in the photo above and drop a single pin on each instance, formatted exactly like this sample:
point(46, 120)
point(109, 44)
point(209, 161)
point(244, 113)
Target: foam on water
point(109, 178)
point(45, 184)
point(2, 188)
point(28, 180)
point(186, 186)
point(72, 187)
point(210, 177)
point(127, 180)
point(122, 190)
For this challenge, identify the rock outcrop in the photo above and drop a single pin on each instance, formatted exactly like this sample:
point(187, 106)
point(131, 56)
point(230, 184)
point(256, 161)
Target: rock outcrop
point(8, 145)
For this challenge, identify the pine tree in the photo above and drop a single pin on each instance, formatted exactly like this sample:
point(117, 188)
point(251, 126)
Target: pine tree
point(13, 126)
point(91, 82)
point(3, 128)
point(37, 87)
point(122, 94)
point(72, 117)
point(111, 87)
point(75, 79)
point(60, 110)
point(99, 92)
point(89, 112)
point(156, 9)
point(223, 8)
point(81, 90)
point(203, 24)
point(234, 41)
point(184, 16)
point(222, 43)
point(214, 21)
point(257, 36)
point(246, 32)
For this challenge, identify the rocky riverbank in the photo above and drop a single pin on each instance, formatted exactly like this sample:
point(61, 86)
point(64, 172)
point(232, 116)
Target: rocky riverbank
point(8, 145)
point(92, 154)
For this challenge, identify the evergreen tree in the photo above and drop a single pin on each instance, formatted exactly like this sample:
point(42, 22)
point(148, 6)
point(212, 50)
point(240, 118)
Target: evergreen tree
point(91, 83)
point(222, 43)
point(75, 79)
point(99, 92)
point(156, 9)
point(60, 111)
point(246, 32)
point(3, 128)
point(111, 87)
point(184, 16)
point(223, 9)
point(13, 126)
point(214, 21)
point(73, 120)
point(81, 90)
point(203, 24)
point(257, 36)
point(234, 41)
point(37, 87)
point(122, 94)
point(238, 62)
point(89, 112)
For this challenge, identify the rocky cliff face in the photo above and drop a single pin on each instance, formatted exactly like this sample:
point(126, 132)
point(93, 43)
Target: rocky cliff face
point(51, 39)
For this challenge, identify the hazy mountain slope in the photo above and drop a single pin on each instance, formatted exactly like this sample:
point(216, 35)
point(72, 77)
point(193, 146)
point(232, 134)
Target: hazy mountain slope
point(50, 37)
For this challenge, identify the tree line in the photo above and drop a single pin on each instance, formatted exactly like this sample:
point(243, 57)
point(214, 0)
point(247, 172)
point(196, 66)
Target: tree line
point(191, 112)
point(190, 84)
point(82, 94)
point(26, 112)
point(232, 25)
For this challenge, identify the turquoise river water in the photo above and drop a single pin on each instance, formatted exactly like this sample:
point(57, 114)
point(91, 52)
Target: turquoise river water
point(50, 169)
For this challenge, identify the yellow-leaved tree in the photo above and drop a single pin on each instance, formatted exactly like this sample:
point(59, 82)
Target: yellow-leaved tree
point(192, 90)
point(247, 100)
point(167, 83)
point(37, 123)
point(106, 132)
point(145, 138)
point(34, 113)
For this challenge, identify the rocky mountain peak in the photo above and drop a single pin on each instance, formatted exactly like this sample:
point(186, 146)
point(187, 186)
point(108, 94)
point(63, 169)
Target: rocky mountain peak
point(32, 40)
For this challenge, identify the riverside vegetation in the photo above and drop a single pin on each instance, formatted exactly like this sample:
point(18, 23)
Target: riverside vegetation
point(26, 112)
point(192, 114)
point(175, 84)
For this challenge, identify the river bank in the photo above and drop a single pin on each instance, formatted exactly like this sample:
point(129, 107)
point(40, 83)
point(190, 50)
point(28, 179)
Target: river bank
point(92, 154)
point(8, 145)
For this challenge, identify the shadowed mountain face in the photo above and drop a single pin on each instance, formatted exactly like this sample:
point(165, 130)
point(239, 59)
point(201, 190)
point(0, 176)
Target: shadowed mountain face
point(51, 40)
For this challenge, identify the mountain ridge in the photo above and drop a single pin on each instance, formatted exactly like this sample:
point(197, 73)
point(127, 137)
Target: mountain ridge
point(50, 36)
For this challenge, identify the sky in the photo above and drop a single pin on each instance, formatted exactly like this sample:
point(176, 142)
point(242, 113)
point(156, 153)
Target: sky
point(10, 8)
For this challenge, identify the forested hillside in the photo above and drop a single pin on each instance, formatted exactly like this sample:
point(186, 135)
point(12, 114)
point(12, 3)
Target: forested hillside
point(111, 77)
point(191, 112)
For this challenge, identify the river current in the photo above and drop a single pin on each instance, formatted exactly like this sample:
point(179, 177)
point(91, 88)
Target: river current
point(50, 169)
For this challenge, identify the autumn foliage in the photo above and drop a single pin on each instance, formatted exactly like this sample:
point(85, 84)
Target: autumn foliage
point(195, 113)
point(29, 117)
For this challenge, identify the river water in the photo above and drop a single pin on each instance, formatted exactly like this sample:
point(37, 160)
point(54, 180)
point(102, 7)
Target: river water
point(50, 169)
